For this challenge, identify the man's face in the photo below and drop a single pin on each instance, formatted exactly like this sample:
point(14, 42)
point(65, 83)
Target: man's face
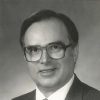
point(47, 72)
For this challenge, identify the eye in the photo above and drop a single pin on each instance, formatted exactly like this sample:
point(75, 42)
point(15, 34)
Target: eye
point(55, 47)
point(33, 49)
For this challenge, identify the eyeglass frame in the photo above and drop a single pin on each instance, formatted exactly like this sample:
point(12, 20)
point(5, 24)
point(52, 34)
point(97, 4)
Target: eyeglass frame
point(45, 47)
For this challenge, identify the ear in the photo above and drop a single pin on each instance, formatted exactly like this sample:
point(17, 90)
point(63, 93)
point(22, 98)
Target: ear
point(75, 52)
point(24, 58)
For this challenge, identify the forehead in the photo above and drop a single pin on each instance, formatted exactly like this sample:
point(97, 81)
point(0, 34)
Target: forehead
point(46, 31)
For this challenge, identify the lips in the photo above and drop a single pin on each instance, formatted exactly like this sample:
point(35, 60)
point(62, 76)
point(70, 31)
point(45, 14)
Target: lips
point(47, 72)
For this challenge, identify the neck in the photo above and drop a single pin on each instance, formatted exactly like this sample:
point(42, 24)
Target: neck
point(47, 91)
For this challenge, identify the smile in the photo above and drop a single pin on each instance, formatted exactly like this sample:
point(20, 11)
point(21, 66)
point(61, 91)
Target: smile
point(47, 72)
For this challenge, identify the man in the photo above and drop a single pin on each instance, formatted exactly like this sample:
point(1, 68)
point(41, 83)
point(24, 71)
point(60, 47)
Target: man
point(50, 44)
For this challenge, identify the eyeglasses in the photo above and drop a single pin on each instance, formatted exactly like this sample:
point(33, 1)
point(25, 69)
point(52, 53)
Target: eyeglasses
point(55, 50)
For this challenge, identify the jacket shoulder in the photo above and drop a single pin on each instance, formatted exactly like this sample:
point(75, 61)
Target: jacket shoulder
point(90, 93)
point(82, 91)
point(27, 96)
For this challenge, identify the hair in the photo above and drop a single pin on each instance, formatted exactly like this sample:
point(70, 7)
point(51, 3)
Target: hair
point(46, 15)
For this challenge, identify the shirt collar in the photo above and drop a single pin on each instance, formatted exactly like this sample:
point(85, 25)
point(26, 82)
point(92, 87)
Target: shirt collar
point(60, 94)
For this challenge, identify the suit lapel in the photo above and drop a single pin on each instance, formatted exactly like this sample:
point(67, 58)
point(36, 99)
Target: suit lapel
point(75, 92)
point(34, 96)
point(31, 95)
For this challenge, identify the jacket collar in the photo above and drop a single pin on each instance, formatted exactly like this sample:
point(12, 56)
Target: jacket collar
point(75, 92)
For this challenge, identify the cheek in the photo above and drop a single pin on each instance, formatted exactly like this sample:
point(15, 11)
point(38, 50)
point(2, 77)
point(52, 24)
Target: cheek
point(68, 62)
point(32, 68)
point(69, 57)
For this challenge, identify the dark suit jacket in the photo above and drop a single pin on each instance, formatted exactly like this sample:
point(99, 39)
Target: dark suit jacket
point(78, 91)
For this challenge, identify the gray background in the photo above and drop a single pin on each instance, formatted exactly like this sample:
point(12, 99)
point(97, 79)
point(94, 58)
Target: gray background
point(14, 77)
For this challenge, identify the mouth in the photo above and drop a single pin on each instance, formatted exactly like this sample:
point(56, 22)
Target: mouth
point(47, 72)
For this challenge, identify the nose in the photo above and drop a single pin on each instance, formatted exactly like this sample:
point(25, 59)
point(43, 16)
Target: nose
point(44, 57)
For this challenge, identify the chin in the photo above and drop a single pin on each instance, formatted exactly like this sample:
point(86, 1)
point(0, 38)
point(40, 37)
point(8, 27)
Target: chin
point(47, 84)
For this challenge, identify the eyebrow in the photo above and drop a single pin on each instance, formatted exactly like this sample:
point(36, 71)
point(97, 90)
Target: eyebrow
point(55, 42)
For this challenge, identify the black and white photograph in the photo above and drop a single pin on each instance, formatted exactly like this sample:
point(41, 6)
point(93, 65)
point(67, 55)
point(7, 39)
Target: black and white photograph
point(49, 50)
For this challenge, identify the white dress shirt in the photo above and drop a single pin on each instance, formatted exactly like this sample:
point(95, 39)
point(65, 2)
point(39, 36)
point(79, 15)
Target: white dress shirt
point(60, 94)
